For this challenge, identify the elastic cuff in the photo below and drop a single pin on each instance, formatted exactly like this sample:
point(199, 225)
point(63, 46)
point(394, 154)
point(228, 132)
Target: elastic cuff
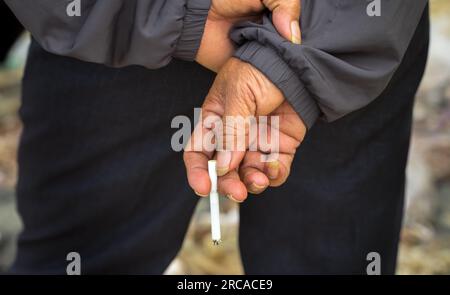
point(193, 27)
point(273, 66)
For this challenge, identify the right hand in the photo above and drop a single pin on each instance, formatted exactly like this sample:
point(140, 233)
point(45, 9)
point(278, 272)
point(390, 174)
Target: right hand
point(216, 47)
point(241, 90)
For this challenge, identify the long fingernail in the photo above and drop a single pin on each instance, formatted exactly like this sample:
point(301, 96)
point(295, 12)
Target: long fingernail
point(200, 195)
point(256, 189)
point(229, 196)
point(273, 169)
point(296, 36)
point(223, 162)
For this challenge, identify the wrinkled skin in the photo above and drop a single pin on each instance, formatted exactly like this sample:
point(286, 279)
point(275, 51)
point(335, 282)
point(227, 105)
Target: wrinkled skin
point(240, 89)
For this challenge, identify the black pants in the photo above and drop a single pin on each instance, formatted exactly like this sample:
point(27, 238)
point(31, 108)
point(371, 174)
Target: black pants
point(97, 174)
point(10, 30)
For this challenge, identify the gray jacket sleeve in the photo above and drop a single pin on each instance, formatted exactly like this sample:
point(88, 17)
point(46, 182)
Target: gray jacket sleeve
point(117, 32)
point(347, 57)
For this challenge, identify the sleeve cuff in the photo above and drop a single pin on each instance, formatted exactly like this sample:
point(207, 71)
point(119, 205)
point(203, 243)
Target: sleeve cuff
point(270, 63)
point(193, 27)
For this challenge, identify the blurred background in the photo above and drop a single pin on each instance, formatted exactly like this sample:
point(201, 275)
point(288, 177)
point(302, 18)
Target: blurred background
point(425, 242)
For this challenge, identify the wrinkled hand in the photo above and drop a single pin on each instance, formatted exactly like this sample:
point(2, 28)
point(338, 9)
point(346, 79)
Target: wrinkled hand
point(242, 90)
point(216, 47)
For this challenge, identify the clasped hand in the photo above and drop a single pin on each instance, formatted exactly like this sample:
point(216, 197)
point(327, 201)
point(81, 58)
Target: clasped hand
point(242, 90)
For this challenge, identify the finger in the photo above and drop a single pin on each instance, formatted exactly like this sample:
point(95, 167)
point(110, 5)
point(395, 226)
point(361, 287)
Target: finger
point(234, 137)
point(231, 186)
point(197, 172)
point(251, 173)
point(196, 157)
point(228, 160)
point(285, 17)
point(285, 136)
point(258, 175)
point(278, 170)
point(277, 135)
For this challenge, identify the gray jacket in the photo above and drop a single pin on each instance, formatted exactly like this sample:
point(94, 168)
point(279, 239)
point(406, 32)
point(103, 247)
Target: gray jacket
point(346, 60)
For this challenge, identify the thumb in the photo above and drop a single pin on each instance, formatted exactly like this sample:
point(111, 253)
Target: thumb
point(285, 17)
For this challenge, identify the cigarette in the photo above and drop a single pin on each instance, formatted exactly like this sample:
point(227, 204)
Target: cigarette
point(214, 204)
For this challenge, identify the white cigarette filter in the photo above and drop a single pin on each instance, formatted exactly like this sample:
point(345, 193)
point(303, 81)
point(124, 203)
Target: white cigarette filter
point(214, 203)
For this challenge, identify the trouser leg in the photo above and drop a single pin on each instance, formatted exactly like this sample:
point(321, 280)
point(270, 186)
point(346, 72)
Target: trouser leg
point(97, 174)
point(11, 29)
point(344, 197)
